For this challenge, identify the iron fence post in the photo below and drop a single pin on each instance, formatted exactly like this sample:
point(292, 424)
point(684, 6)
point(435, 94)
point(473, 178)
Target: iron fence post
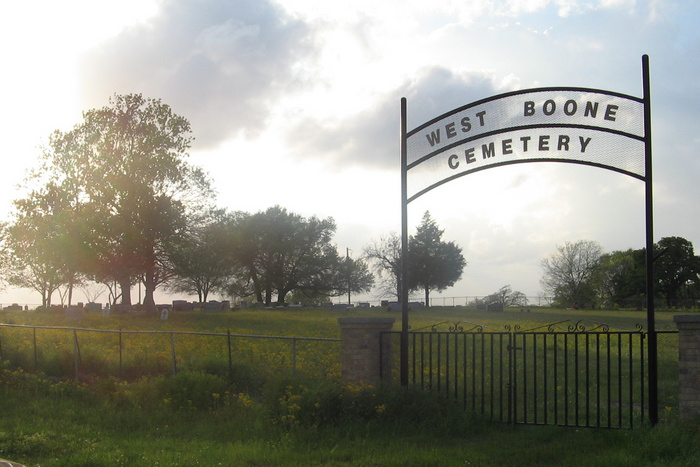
point(76, 353)
point(36, 363)
point(121, 372)
point(230, 360)
point(294, 358)
point(172, 352)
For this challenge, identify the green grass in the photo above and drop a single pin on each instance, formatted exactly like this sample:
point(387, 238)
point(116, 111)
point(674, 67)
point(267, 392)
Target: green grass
point(259, 417)
point(77, 430)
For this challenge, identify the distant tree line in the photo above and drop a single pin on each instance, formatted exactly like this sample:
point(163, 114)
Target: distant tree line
point(115, 202)
point(581, 274)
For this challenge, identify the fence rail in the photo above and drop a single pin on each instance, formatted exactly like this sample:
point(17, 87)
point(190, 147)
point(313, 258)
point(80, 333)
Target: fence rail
point(147, 357)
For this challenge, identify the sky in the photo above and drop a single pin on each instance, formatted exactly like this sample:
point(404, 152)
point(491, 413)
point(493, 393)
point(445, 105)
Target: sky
point(297, 103)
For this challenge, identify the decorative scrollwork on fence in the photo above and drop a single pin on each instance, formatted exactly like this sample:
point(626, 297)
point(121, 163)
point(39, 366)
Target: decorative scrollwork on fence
point(581, 326)
point(456, 327)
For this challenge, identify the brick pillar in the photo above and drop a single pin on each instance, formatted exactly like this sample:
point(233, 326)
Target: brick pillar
point(360, 341)
point(688, 365)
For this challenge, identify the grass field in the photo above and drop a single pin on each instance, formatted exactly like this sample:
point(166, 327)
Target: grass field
point(260, 414)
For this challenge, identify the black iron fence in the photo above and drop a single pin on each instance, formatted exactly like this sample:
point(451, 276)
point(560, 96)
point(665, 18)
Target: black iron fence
point(564, 374)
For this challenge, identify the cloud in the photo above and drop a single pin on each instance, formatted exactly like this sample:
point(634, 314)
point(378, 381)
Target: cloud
point(220, 64)
point(371, 138)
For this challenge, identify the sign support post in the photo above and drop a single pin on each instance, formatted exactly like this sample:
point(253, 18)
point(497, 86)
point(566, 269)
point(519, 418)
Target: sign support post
point(652, 344)
point(403, 283)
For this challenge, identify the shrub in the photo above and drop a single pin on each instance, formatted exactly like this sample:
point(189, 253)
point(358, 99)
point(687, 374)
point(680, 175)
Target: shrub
point(402, 409)
point(193, 390)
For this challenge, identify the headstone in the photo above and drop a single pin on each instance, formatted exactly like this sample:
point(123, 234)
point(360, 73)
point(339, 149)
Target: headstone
point(75, 313)
point(121, 308)
point(164, 314)
point(92, 306)
point(495, 307)
point(182, 305)
point(396, 306)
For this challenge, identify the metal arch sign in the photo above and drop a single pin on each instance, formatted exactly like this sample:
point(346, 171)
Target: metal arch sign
point(576, 125)
point(585, 126)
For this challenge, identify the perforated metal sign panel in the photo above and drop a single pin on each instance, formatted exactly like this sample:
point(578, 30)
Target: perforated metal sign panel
point(585, 126)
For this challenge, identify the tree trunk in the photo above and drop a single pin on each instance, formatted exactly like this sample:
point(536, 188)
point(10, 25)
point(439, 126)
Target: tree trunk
point(280, 297)
point(256, 284)
point(149, 303)
point(125, 285)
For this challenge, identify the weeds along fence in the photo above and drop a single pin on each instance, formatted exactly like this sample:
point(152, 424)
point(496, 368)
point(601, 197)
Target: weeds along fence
point(131, 354)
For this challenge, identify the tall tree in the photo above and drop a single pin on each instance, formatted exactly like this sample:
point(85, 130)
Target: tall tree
point(676, 267)
point(570, 272)
point(353, 277)
point(203, 261)
point(124, 166)
point(5, 255)
point(507, 297)
point(33, 259)
point(248, 237)
point(44, 241)
point(284, 252)
point(621, 277)
point(384, 256)
point(433, 263)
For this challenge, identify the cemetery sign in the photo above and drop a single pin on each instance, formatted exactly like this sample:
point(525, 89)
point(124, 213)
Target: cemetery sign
point(558, 124)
